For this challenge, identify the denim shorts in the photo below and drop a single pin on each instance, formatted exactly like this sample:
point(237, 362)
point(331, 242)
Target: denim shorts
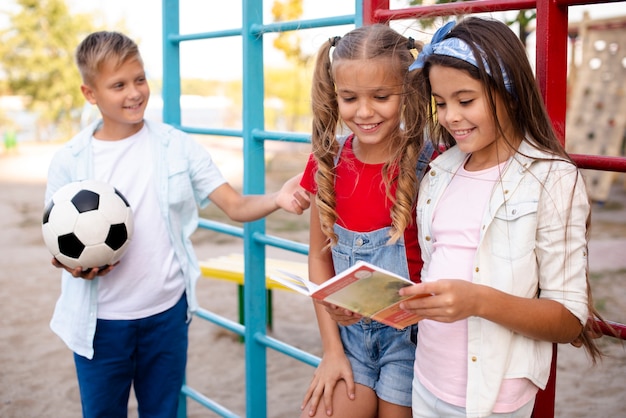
point(382, 358)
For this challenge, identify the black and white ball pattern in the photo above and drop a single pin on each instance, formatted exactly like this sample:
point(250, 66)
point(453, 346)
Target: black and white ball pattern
point(87, 224)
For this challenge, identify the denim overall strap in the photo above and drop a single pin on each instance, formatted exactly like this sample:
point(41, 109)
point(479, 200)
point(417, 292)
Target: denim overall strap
point(428, 149)
point(341, 140)
point(373, 247)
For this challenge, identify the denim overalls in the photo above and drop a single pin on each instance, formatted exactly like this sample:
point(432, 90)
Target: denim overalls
point(381, 356)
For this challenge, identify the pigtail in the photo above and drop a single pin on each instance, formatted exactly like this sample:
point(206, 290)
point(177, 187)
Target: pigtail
point(406, 192)
point(323, 139)
point(407, 155)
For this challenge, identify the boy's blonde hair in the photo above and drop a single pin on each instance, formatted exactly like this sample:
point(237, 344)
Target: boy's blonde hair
point(101, 47)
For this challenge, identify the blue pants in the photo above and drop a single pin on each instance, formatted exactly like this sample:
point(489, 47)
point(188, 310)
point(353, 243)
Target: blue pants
point(149, 353)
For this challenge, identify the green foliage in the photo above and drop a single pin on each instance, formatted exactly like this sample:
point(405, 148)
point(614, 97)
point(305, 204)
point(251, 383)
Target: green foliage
point(524, 18)
point(36, 52)
point(289, 42)
point(293, 87)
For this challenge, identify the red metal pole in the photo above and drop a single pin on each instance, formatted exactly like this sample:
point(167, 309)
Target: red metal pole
point(544, 402)
point(551, 73)
point(370, 7)
point(551, 64)
point(451, 9)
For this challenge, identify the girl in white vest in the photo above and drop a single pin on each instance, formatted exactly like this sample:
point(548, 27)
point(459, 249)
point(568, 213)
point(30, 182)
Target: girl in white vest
point(502, 220)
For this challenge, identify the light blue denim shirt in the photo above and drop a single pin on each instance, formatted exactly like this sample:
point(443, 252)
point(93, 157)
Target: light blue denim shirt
point(532, 244)
point(185, 175)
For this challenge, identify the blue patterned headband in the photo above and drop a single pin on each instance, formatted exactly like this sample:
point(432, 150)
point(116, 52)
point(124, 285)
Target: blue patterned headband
point(453, 47)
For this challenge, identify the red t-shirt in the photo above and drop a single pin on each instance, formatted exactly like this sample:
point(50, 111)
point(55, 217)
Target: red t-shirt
point(361, 202)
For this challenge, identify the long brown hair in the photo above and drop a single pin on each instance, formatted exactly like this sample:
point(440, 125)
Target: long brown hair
point(499, 53)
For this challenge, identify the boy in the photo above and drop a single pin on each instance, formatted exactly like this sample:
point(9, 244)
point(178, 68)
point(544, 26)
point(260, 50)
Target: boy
point(127, 324)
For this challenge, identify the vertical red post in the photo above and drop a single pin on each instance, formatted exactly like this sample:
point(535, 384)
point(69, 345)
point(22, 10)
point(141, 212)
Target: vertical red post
point(370, 7)
point(544, 402)
point(551, 65)
point(551, 73)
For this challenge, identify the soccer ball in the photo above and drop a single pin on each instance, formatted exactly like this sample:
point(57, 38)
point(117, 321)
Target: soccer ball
point(87, 224)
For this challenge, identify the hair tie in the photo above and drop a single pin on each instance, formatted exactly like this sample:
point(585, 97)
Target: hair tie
point(333, 41)
point(410, 43)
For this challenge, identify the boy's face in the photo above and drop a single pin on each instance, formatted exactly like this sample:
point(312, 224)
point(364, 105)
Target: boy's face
point(122, 95)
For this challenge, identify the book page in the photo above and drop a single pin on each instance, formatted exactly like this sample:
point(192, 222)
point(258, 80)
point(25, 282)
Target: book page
point(363, 288)
point(365, 292)
point(293, 282)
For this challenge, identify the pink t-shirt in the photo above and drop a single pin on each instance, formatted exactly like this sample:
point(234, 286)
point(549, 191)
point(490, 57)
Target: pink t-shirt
point(441, 357)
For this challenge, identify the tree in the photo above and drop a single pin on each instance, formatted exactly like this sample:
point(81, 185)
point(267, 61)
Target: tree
point(294, 114)
point(36, 52)
point(289, 42)
point(296, 111)
point(524, 19)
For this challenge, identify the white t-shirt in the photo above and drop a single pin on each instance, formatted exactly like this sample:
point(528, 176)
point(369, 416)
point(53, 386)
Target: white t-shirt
point(148, 280)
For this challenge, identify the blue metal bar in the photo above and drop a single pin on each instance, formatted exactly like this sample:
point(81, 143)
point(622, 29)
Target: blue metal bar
point(220, 227)
point(282, 243)
point(171, 99)
point(207, 403)
point(211, 131)
point(204, 35)
point(260, 238)
point(219, 320)
point(281, 136)
point(288, 350)
point(259, 29)
point(255, 298)
point(171, 64)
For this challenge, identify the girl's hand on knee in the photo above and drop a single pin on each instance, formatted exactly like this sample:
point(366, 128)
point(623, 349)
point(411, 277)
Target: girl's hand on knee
point(330, 371)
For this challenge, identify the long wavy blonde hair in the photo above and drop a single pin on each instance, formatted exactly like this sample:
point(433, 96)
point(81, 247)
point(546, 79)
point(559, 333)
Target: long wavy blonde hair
point(365, 43)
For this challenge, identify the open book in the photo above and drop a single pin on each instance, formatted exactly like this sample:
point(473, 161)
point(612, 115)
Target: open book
point(364, 288)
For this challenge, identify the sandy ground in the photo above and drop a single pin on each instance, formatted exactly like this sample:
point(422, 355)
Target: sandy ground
point(37, 377)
